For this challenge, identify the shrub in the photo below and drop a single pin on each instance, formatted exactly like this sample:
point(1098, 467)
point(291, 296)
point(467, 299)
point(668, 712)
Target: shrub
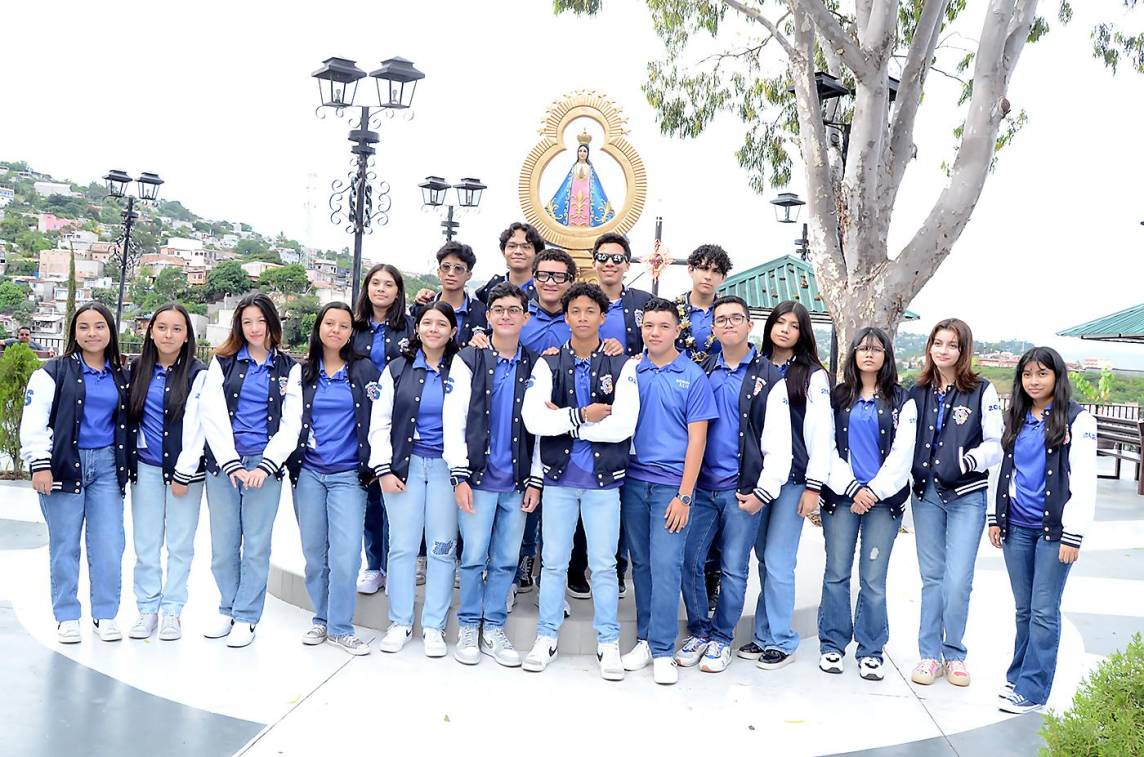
point(16, 367)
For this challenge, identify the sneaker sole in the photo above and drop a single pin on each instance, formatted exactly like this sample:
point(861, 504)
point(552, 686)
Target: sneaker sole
point(870, 677)
point(359, 652)
point(957, 682)
point(577, 594)
point(1018, 710)
point(774, 665)
point(688, 663)
point(69, 640)
point(170, 636)
point(832, 671)
point(139, 636)
point(920, 681)
point(538, 667)
point(714, 669)
point(503, 663)
point(748, 655)
point(475, 661)
point(242, 645)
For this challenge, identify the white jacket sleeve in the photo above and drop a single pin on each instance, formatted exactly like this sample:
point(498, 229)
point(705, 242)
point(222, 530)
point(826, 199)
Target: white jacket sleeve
point(454, 421)
point(217, 428)
point(35, 433)
point(536, 472)
point(539, 419)
point(988, 453)
point(818, 431)
point(380, 427)
point(775, 442)
point(187, 466)
point(1080, 508)
point(621, 424)
point(895, 471)
point(285, 439)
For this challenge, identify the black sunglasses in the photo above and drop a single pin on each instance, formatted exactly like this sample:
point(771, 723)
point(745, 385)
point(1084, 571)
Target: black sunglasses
point(617, 258)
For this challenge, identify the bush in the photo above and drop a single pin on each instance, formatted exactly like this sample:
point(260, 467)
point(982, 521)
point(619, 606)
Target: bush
point(1107, 714)
point(16, 367)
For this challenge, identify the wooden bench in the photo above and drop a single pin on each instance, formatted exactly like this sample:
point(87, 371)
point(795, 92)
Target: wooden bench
point(1121, 439)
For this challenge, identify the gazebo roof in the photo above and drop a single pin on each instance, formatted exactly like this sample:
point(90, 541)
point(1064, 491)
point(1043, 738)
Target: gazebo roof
point(1122, 326)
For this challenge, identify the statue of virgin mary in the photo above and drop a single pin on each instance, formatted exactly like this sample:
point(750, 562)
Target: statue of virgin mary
point(580, 200)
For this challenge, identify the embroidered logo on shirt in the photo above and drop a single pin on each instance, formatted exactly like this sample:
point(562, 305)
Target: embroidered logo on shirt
point(403, 344)
point(961, 414)
point(759, 384)
point(373, 391)
point(27, 398)
point(639, 318)
point(683, 383)
point(283, 382)
point(606, 385)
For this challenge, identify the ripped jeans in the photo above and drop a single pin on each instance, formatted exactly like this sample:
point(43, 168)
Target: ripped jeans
point(425, 507)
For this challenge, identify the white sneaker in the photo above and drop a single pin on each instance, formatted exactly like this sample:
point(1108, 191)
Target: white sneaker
point(350, 643)
point(716, 658)
point(144, 626)
point(639, 658)
point(172, 629)
point(496, 645)
point(315, 635)
point(665, 671)
point(1005, 691)
point(220, 628)
point(422, 567)
point(691, 652)
point(611, 666)
point(870, 668)
point(543, 652)
point(67, 632)
point(240, 636)
point(830, 662)
point(467, 651)
point(107, 629)
point(396, 637)
point(370, 581)
point(434, 641)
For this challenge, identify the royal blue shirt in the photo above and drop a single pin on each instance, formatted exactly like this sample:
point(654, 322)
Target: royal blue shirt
point(544, 330)
point(151, 452)
point(430, 441)
point(863, 432)
point(377, 351)
point(614, 325)
point(249, 422)
point(939, 396)
point(1028, 506)
point(101, 398)
point(499, 466)
point(333, 443)
point(580, 473)
point(670, 398)
point(720, 470)
point(702, 322)
point(462, 313)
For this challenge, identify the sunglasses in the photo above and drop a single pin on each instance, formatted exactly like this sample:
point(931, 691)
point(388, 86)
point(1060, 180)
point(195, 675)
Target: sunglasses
point(617, 258)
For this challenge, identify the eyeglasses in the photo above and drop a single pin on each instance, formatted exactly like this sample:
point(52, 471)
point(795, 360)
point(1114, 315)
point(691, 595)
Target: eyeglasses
point(871, 348)
point(522, 246)
point(736, 319)
point(513, 310)
point(617, 258)
point(556, 277)
point(458, 268)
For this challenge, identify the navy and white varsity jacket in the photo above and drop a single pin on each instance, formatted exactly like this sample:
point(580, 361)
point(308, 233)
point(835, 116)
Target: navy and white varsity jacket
point(466, 415)
point(393, 424)
point(49, 428)
point(1070, 483)
point(812, 434)
point(892, 483)
point(959, 457)
point(183, 438)
point(475, 322)
point(283, 413)
point(482, 294)
point(396, 340)
point(634, 301)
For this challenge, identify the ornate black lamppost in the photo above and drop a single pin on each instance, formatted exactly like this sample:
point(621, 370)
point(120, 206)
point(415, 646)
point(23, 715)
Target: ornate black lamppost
point(147, 187)
point(435, 189)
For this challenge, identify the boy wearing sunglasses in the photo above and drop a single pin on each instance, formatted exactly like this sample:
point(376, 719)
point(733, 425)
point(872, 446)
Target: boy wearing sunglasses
point(611, 259)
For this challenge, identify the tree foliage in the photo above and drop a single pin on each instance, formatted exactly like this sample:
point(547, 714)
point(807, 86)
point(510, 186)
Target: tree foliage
point(14, 300)
point(16, 367)
point(289, 279)
point(226, 279)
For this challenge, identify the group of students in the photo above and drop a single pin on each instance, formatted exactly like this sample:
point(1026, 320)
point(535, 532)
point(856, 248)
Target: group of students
point(643, 429)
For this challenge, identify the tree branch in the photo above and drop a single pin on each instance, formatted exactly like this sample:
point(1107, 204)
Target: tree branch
point(827, 25)
point(757, 15)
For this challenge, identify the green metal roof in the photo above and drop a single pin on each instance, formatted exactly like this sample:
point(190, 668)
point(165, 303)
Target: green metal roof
point(1123, 326)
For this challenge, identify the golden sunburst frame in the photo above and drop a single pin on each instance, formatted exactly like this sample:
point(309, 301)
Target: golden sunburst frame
point(610, 118)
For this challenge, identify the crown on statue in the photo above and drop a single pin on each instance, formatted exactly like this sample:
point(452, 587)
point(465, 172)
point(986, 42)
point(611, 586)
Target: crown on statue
point(584, 137)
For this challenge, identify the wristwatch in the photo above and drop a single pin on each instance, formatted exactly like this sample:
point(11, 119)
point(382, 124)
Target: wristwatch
point(684, 498)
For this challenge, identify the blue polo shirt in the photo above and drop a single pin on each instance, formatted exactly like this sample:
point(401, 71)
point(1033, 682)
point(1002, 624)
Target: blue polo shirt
point(1028, 506)
point(377, 350)
point(249, 421)
point(462, 314)
point(101, 398)
point(614, 326)
point(702, 321)
point(863, 433)
point(580, 473)
point(720, 471)
point(151, 450)
point(333, 443)
point(499, 466)
point(939, 397)
point(544, 330)
point(670, 398)
point(430, 439)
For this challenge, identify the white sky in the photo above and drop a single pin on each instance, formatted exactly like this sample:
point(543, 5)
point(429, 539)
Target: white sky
point(217, 98)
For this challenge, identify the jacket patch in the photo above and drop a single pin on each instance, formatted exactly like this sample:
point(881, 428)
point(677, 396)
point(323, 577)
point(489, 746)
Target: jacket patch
point(606, 385)
point(639, 318)
point(894, 417)
point(403, 344)
point(759, 384)
point(961, 414)
point(448, 385)
point(27, 398)
point(283, 382)
point(373, 391)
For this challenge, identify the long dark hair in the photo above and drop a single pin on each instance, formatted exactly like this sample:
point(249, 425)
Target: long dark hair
point(314, 356)
point(451, 347)
point(111, 351)
point(804, 361)
point(395, 316)
point(142, 369)
point(965, 378)
point(1020, 403)
point(236, 340)
point(848, 392)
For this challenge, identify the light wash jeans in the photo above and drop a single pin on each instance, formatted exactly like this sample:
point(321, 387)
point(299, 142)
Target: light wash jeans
point(330, 508)
point(96, 513)
point(242, 521)
point(600, 510)
point(426, 507)
point(776, 547)
point(158, 517)
point(657, 562)
point(491, 537)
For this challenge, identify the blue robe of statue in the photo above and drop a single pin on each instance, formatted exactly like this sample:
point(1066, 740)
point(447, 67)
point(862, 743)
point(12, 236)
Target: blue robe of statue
point(581, 202)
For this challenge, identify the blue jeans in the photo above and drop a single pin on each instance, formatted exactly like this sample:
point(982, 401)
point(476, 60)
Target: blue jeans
point(600, 510)
point(947, 536)
point(776, 547)
point(97, 513)
point(425, 507)
point(531, 534)
point(242, 521)
point(716, 516)
point(330, 508)
point(376, 532)
point(491, 535)
point(657, 562)
point(869, 626)
point(1038, 577)
point(158, 517)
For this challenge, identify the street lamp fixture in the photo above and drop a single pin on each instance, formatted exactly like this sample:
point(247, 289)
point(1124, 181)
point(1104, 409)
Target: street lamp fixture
point(337, 82)
point(147, 187)
point(396, 82)
point(469, 192)
point(787, 207)
point(434, 193)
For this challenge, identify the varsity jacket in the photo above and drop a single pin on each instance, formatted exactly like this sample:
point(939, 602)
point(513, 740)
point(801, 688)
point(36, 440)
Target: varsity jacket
point(812, 434)
point(183, 461)
point(958, 459)
point(396, 340)
point(390, 434)
point(49, 428)
point(633, 301)
point(364, 387)
point(482, 294)
point(220, 402)
point(892, 483)
point(476, 320)
point(1070, 483)
point(764, 428)
point(466, 417)
point(613, 382)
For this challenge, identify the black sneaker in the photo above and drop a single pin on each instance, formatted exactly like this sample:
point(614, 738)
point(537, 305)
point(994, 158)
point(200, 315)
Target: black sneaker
point(579, 588)
point(750, 651)
point(773, 659)
point(712, 591)
point(623, 586)
point(524, 580)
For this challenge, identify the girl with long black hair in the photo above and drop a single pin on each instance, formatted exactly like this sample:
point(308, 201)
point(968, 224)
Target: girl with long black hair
point(165, 463)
